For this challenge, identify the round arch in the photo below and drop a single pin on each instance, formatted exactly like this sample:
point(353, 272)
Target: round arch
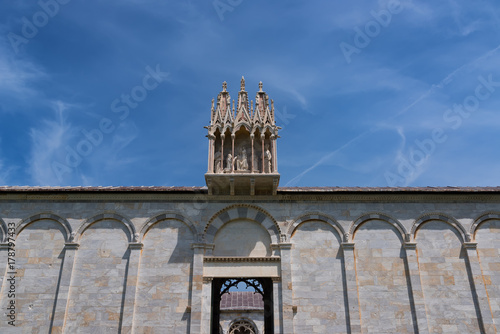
point(377, 216)
point(241, 211)
point(49, 216)
point(440, 217)
point(3, 230)
point(315, 216)
point(111, 216)
point(166, 216)
point(481, 219)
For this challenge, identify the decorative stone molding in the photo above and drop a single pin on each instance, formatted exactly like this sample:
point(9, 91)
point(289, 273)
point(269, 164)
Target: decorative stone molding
point(377, 216)
point(315, 216)
point(440, 217)
point(410, 245)
point(49, 216)
point(3, 230)
point(470, 245)
point(107, 216)
point(71, 245)
point(240, 259)
point(242, 211)
point(481, 219)
point(135, 245)
point(167, 216)
point(347, 245)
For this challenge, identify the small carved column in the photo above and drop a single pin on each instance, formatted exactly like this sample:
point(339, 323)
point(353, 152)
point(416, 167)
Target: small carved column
point(286, 288)
point(275, 156)
point(352, 287)
point(206, 305)
point(222, 136)
point(197, 287)
point(481, 293)
point(417, 294)
point(232, 145)
point(252, 136)
point(4, 248)
point(211, 148)
point(131, 287)
point(63, 288)
point(262, 139)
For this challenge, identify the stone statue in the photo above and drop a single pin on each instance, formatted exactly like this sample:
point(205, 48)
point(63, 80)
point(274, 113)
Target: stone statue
point(218, 162)
point(242, 162)
point(229, 163)
point(267, 160)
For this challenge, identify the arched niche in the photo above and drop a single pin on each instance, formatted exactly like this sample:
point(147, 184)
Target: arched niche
point(242, 237)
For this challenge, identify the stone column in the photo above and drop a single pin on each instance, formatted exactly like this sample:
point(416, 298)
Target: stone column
point(481, 293)
point(62, 298)
point(232, 150)
point(197, 287)
point(131, 286)
point(417, 294)
point(352, 287)
point(222, 151)
point(286, 288)
point(211, 154)
point(206, 306)
point(252, 136)
point(262, 139)
point(275, 155)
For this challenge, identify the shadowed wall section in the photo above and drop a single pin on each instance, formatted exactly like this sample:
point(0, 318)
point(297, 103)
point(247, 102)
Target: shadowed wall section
point(488, 248)
point(382, 279)
point(317, 279)
point(164, 279)
point(39, 255)
point(98, 281)
point(445, 280)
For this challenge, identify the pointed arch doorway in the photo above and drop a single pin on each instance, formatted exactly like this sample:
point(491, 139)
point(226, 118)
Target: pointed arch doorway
point(261, 285)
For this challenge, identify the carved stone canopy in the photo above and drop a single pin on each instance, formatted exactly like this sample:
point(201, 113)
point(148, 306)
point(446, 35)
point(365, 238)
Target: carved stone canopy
point(242, 156)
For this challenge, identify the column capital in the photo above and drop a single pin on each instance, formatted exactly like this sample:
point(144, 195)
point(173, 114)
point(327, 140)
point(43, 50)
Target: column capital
point(71, 245)
point(348, 245)
point(410, 245)
point(135, 245)
point(470, 245)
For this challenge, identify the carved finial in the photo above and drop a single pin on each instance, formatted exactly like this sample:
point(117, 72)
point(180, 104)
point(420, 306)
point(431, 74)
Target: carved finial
point(224, 86)
point(242, 83)
point(272, 104)
point(251, 109)
point(260, 86)
point(233, 105)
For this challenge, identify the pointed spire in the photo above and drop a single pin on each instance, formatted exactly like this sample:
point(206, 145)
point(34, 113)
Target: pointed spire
point(260, 86)
point(224, 86)
point(242, 83)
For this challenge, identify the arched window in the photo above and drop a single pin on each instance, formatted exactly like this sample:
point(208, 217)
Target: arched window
point(242, 327)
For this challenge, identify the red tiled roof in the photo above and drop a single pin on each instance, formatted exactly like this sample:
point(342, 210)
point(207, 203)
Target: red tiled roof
point(241, 300)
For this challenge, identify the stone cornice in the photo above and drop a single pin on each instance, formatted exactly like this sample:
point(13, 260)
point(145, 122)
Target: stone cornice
point(240, 259)
point(143, 196)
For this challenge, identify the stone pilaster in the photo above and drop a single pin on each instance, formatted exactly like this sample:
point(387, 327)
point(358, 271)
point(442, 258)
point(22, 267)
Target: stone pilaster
point(206, 306)
point(197, 288)
point(131, 286)
point(286, 288)
point(480, 288)
point(62, 298)
point(352, 287)
point(277, 298)
point(417, 293)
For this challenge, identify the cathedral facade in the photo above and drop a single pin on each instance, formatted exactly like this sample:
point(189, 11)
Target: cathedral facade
point(316, 260)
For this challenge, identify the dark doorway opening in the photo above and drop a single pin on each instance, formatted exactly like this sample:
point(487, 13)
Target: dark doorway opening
point(261, 285)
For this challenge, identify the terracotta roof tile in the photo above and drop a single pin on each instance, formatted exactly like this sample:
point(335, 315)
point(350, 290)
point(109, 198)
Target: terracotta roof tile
point(241, 300)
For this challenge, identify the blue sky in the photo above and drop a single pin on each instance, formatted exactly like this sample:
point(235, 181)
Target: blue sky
point(387, 93)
